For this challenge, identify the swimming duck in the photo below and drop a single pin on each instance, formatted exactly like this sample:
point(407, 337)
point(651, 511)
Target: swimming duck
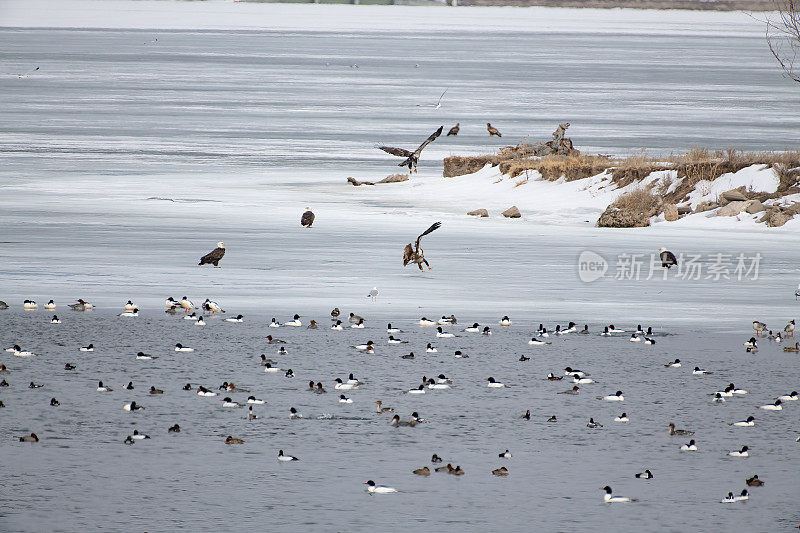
point(486, 331)
point(4, 369)
point(424, 322)
point(754, 482)
point(749, 422)
point(228, 402)
point(418, 390)
point(154, 390)
point(390, 329)
point(181, 348)
point(202, 391)
point(409, 355)
point(474, 328)
point(730, 498)
point(174, 429)
point(132, 406)
point(81, 306)
point(505, 321)
point(675, 364)
point(592, 424)
point(257, 401)
point(268, 368)
point(364, 347)
point(344, 399)
point(699, 372)
point(55, 320)
point(188, 386)
point(552, 419)
point(612, 329)
point(569, 371)
point(146, 356)
point(605, 332)
point(396, 422)
point(609, 498)
point(372, 488)
point(458, 354)
point(289, 373)
point(130, 314)
point(430, 349)
point(233, 440)
point(54, 402)
point(585, 330)
point(337, 326)
point(355, 319)
point(139, 436)
point(553, 377)
point(635, 338)
point(773, 406)
point(29, 438)
point(294, 414)
point(442, 335)
point(193, 316)
point(744, 452)
point(434, 385)
point(673, 431)
point(274, 323)
point(493, 383)
point(33, 385)
point(29, 305)
point(574, 390)
point(340, 385)
point(383, 410)
point(577, 379)
point(523, 358)
point(649, 341)
point(690, 447)
point(313, 325)
point(792, 349)
point(295, 322)
point(743, 496)
point(505, 455)
point(502, 471)
point(791, 397)
point(51, 305)
point(200, 322)
point(103, 388)
point(129, 386)
point(536, 342)
point(237, 318)
point(87, 348)
point(424, 471)
point(128, 440)
point(358, 325)
point(622, 418)
point(644, 475)
point(718, 398)
point(392, 340)
point(616, 397)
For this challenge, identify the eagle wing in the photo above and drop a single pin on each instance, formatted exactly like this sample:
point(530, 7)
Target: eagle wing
point(399, 152)
point(428, 141)
point(212, 257)
point(408, 254)
point(433, 227)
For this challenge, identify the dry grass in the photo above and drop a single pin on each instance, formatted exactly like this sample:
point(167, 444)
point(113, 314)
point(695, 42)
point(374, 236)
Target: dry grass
point(638, 200)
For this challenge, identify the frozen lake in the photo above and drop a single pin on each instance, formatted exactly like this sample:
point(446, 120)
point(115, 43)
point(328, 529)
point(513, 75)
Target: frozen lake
point(155, 129)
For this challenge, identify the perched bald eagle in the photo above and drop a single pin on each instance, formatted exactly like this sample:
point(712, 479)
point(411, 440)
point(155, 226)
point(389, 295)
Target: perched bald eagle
point(454, 130)
point(492, 130)
point(307, 219)
point(413, 254)
point(214, 256)
point(667, 258)
point(412, 158)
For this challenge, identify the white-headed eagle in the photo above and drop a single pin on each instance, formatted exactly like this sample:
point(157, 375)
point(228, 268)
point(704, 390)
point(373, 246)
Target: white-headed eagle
point(213, 257)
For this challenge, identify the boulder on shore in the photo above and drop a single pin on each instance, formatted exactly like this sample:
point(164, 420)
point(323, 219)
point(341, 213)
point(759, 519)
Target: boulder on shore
point(733, 195)
point(512, 212)
point(670, 212)
point(731, 209)
point(754, 206)
point(483, 213)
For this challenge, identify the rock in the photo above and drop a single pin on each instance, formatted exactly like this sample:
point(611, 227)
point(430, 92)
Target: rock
point(778, 218)
point(512, 212)
point(754, 206)
point(732, 209)
point(670, 212)
point(631, 210)
point(734, 195)
point(705, 206)
point(357, 183)
point(794, 209)
point(394, 178)
point(479, 213)
point(459, 166)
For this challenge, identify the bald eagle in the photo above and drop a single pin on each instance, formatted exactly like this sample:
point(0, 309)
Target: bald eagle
point(412, 158)
point(492, 130)
point(214, 256)
point(307, 219)
point(413, 254)
point(667, 258)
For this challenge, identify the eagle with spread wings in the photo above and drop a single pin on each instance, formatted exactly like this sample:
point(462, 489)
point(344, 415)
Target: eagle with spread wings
point(413, 254)
point(412, 158)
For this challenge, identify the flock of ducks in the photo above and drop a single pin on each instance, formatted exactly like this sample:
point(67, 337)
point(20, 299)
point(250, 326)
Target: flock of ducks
point(435, 383)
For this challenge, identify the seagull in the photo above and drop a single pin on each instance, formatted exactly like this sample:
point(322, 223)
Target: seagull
point(438, 103)
point(25, 75)
point(373, 294)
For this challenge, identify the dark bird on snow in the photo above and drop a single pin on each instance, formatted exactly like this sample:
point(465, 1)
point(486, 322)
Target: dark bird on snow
point(412, 158)
point(214, 256)
point(454, 130)
point(307, 219)
point(667, 258)
point(492, 130)
point(413, 254)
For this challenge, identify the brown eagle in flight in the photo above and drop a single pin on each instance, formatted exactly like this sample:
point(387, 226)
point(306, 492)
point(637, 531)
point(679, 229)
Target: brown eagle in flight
point(413, 254)
point(412, 158)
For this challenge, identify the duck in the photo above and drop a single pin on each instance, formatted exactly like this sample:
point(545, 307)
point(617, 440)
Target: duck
point(313, 325)
point(418, 390)
point(700, 372)
point(574, 390)
point(754, 482)
point(55, 320)
point(256, 401)
point(4, 369)
point(19, 352)
point(30, 305)
point(752, 343)
point(553, 377)
point(609, 498)
point(730, 498)
point(749, 422)
point(409, 355)
point(504, 455)
point(424, 322)
point(635, 338)
point(788, 329)
point(335, 313)
point(87, 348)
point(486, 331)
point(743, 496)
point(132, 406)
point(274, 323)
point(340, 385)
point(536, 342)
point(569, 371)
point(51, 305)
point(585, 330)
point(639, 330)
point(269, 369)
point(527, 415)
point(577, 379)
point(29, 438)
point(684, 432)
point(33, 385)
point(744, 452)
point(188, 386)
point(363, 347)
point(458, 354)
point(505, 321)
point(612, 329)
point(139, 436)
point(344, 399)
point(791, 397)
point(251, 415)
point(193, 316)
point(570, 328)
point(3, 305)
point(592, 424)
point(129, 314)
point(154, 390)
point(647, 474)
point(675, 364)
point(282, 351)
point(129, 386)
point(355, 319)
point(543, 333)
point(212, 307)
point(382, 410)
point(552, 419)
point(792, 349)
point(622, 418)
point(54, 402)
point(233, 440)
point(337, 326)
point(174, 429)
point(759, 327)
point(146, 356)
point(474, 328)
point(273, 340)
point(430, 349)
point(181, 348)
point(773, 406)
point(448, 320)
point(396, 422)
point(286, 458)
point(523, 358)
point(128, 440)
point(605, 332)
point(457, 471)
point(616, 397)
point(691, 446)
point(442, 335)
point(103, 388)
point(237, 318)
point(390, 329)
point(494, 383)
point(202, 391)
point(289, 373)
point(718, 398)
point(392, 340)
point(434, 385)
point(81, 305)
point(294, 414)
point(372, 488)
point(358, 325)
point(649, 341)
point(200, 322)
point(424, 471)
point(187, 304)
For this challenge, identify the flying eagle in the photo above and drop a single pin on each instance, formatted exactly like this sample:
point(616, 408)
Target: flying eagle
point(667, 258)
point(412, 158)
point(214, 256)
point(492, 130)
point(454, 130)
point(307, 219)
point(413, 254)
